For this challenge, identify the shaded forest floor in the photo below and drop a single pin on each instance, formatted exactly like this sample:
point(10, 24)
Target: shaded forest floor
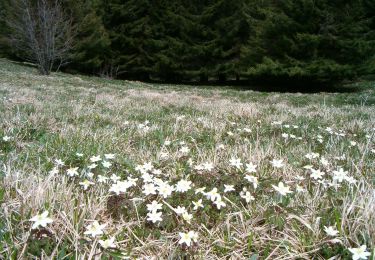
point(88, 149)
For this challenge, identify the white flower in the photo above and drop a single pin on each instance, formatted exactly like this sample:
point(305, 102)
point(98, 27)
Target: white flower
point(285, 135)
point(94, 159)
point(187, 238)
point(250, 167)
point(54, 171)
point(197, 204)
point(331, 231)
point(79, 154)
point(6, 138)
point(212, 195)
point(246, 195)
point(183, 186)
point(235, 162)
point(282, 189)
point(108, 243)
point(147, 178)
point(106, 164)
point(187, 217)
point(59, 162)
point(253, 180)
point(167, 142)
point(359, 252)
point(316, 174)
point(148, 189)
point(340, 175)
point(41, 220)
point(72, 172)
point(102, 178)
point(277, 163)
point(154, 216)
point(324, 161)
point(180, 210)
point(110, 156)
point(165, 190)
point(154, 206)
point(94, 229)
point(115, 178)
point(228, 188)
point(86, 183)
point(120, 187)
point(219, 202)
point(148, 166)
point(184, 150)
point(200, 190)
point(92, 166)
point(208, 166)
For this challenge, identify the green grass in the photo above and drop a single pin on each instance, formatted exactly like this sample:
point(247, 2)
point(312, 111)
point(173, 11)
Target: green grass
point(55, 117)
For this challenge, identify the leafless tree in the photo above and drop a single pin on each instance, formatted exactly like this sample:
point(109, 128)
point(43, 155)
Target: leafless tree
point(42, 32)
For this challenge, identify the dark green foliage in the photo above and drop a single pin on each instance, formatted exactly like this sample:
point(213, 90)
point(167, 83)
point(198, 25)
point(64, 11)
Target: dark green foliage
point(295, 41)
point(308, 40)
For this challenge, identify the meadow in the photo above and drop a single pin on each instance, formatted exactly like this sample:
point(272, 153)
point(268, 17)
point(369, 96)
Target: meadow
point(92, 168)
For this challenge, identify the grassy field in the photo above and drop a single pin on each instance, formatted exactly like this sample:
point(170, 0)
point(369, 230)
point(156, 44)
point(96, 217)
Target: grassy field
point(120, 168)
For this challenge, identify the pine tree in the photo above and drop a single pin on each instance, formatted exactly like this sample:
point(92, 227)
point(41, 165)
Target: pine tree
point(305, 40)
point(92, 44)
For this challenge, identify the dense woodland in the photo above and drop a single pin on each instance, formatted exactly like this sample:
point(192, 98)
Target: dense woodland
point(321, 41)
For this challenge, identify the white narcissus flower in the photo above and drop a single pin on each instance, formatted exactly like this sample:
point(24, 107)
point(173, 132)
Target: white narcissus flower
point(165, 190)
point(94, 229)
point(154, 216)
point(282, 189)
point(187, 238)
point(228, 188)
point(212, 195)
point(359, 252)
point(316, 174)
point(41, 220)
point(110, 156)
point(59, 162)
point(106, 164)
point(235, 162)
point(184, 150)
point(148, 189)
point(340, 175)
point(277, 163)
point(6, 138)
point(154, 206)
point(219, 203)
point(72, 172)
point(183, 186)
point(108, 243)
point(197, 204)
point(180, 210)
point(247, 196)
point(253, 180)
point(331, 231)
point(102, 178)
point(250, 167)
point(95, 159)
point(208, 166)
point(187, 217)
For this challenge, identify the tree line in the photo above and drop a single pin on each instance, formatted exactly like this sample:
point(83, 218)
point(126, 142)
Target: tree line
point(300, 41)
